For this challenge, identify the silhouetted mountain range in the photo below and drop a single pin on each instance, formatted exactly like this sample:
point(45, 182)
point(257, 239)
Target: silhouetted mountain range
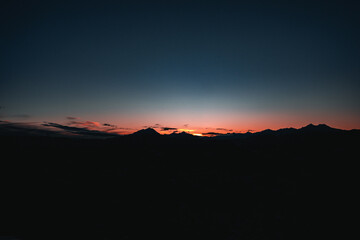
point(18, 129)
point(308, 128)
point(321, 128)
point(283, 184)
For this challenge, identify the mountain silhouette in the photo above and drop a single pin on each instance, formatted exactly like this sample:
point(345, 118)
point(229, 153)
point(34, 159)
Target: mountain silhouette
point(11, 129)
point(148, 132)
point(318, 128)
point(309, 129)
point(287, 182)
point(181, 135)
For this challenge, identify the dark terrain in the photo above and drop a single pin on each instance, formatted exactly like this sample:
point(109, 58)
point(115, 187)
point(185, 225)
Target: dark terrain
point(285, 184)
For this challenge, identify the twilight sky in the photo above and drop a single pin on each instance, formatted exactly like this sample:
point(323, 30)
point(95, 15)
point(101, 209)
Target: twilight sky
point(199, 65)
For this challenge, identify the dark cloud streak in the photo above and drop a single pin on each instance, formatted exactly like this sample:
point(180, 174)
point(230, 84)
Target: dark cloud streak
point(25, 129)
point(72, 118)
point(224, 129)
point(80, 131)
point(212, 134)
point(168, 129)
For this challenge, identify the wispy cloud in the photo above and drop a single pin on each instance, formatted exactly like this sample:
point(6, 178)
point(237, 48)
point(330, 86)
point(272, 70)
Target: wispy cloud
point(109, 125)
point(156, 125)
point(26, 129)
point(74, 126)
point(79, 130)
point(16, 116)
point(72, 118)
point(168, 129)
point(85, 123)
point(224, 129)
point(161, 127)
point(212, 134)
point(96, 126)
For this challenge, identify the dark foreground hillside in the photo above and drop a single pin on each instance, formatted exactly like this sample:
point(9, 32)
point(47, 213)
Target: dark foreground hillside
point(289, 184)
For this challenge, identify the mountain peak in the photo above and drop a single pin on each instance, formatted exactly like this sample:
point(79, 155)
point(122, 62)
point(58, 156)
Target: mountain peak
point(317, 128)
point(146, 132)
point(181, 134)
point(323, 126)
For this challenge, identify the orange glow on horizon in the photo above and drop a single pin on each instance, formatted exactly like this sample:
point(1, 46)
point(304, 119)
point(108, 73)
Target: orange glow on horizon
point(197, 134)
point(205, 124)
point(224, 121)
point(185, 130)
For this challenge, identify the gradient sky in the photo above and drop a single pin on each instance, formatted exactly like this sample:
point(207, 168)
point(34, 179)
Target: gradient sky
point(200, 65)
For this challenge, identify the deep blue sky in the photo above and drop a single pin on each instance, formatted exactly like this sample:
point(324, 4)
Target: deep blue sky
point(236, 64)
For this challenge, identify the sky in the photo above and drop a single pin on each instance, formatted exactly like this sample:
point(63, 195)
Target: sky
point(199, 66)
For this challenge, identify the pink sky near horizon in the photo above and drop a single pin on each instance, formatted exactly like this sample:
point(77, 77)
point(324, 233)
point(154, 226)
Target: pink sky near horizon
point(197, 123)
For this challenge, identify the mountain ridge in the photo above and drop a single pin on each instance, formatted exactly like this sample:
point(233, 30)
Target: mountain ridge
point(148, 132)
point(8, 129)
